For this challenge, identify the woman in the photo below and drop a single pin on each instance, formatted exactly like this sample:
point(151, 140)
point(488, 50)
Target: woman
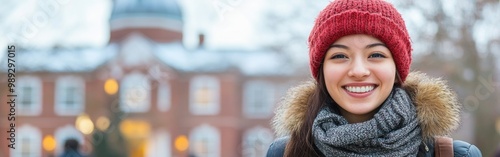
point(364, 101)
point(71, 148)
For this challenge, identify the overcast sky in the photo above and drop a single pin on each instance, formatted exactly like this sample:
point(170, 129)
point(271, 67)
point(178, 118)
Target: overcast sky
point(84, 23)
point(81, 23)
point(44, 23)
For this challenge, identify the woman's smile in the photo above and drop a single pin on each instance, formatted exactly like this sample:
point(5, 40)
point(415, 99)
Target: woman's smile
point(359, 90)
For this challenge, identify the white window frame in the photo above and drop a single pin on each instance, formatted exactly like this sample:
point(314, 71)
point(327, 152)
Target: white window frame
point(213, 85)
point(159, 144)
point(256, 141)
point(62, 83)
point(205, 132)
point(35, 83)
point(135, 93)
point(255, 91)
point(35, 137)
point(66, 132)
point(164, 100)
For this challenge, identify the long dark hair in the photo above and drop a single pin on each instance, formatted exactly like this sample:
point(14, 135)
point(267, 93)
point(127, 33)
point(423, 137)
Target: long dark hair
point(301, 142)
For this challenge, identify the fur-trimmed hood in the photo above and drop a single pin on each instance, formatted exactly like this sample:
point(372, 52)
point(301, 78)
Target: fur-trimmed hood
point(437, 107)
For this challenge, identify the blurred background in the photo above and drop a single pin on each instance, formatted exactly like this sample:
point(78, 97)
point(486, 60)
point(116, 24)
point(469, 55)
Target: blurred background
point(201, 78)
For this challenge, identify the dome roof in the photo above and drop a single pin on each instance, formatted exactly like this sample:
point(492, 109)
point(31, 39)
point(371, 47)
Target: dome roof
point(150, 8)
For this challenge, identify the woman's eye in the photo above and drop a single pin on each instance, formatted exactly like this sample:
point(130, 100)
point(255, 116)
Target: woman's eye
point(339, 56)
point(377, 55)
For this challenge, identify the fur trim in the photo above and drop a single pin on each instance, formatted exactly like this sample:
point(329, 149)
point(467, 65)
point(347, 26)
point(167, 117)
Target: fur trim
point(437, 107)
point(291, 110)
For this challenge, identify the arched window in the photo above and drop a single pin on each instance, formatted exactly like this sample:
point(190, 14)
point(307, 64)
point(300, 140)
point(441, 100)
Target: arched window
point(28, 142)
point(135, 93)
point(204, 95)
point(29, 96)
point(164, 97)
point(70, 96)
point(256, 141)
point(258, 99)
point(204, 141)
point(64, 133)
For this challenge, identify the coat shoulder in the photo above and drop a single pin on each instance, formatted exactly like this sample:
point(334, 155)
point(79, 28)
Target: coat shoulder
point(460, 149)
point(277, 148)
point(464, 149)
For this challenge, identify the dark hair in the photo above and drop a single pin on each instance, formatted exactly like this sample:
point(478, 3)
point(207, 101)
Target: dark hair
point(71, 144)
point(301, 142)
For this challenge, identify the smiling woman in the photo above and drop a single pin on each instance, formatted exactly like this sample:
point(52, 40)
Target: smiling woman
point(359, 73)
point(363, 100)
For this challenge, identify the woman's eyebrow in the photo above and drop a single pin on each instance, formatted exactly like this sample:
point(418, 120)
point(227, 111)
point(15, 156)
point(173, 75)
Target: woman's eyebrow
point(375, 44)
point(339, 46)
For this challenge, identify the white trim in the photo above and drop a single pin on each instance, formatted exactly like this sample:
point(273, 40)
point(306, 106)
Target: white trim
point(258, 92)
point(210, 83)
point(256, 141)
point(35, 84)
point(136, 50)
point(211, 136)
point(164, 97)
point(62, 84)
point(146, 22)
point(135, 93)
point(35, 137)
point(66, 132)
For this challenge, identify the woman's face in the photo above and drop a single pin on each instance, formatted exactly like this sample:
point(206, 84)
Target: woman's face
point(359, 74)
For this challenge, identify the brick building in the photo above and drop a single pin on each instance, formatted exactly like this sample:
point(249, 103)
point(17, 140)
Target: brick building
point(146, 86)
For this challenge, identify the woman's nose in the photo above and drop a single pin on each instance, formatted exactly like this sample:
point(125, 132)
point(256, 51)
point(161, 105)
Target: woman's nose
point(358, 69)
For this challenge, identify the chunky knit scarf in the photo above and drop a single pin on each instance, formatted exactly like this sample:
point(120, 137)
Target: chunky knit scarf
point(393, 131)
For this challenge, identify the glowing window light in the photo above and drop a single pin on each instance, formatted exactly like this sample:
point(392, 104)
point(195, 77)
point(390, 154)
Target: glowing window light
point(49, 143)
point(84, 124)
point(181, 143)
point(111, 86)
point(135, 129)
point(102, 123)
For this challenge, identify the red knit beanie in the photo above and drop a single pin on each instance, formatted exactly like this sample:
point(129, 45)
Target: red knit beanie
point(372, 17)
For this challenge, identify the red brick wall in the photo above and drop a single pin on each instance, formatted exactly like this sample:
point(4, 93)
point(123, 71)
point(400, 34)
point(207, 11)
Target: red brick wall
point(155, 34)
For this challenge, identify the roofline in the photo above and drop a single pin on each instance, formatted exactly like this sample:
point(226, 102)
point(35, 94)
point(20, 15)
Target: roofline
point(146, 22)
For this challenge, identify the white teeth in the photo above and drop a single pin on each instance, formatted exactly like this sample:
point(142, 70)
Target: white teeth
point(358, 89)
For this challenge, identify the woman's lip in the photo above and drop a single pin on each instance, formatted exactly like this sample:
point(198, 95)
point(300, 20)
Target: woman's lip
point(359, 84)
point(360, 95)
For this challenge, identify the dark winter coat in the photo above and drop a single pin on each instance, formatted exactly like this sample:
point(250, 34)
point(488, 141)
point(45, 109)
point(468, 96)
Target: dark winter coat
point(437, 108)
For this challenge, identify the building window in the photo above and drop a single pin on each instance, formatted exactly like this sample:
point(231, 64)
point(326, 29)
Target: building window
point(205, 142)
point(135, 93)
point(164, 97)
point(65, 133)
point(256, 141)
point(204, 95)
point(159, 145)
point(70, 96)
point(258, 99)
point(29, 142)
point(29, 96)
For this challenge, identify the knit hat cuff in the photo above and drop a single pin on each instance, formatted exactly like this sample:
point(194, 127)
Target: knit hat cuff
point(359, 22)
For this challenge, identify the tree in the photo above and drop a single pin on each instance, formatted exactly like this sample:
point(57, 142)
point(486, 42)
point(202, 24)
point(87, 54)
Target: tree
point(286, 26)
point(110, 142)
point(457, 40)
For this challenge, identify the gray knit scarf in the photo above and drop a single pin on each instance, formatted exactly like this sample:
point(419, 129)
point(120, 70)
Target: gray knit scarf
point(393, 131)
